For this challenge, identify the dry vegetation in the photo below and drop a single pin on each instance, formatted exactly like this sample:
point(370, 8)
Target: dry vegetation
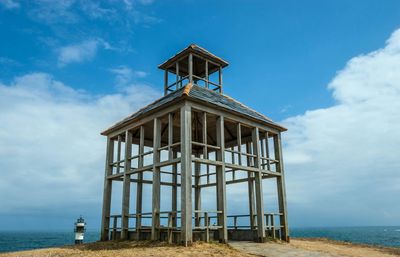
point(297, 247)
point(133, 248)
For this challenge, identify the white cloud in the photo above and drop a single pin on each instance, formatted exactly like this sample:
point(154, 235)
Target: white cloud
point(84, 51)
point(343, 161)
point(125, 75)
point(10, 4)
point(50, 12)
point(51, 153)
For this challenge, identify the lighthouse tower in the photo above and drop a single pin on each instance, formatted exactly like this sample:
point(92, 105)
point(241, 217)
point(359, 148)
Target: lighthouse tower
point(79, 230)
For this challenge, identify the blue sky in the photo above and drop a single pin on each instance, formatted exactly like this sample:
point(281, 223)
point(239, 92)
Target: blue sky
point(325, 69)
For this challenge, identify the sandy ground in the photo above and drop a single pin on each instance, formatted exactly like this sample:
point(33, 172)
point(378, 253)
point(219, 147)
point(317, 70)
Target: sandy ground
point(343, 248)
point(297, 248)
point(133, 248)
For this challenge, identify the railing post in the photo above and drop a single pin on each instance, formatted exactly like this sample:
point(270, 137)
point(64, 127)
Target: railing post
point(207, 225)
point(114, 228)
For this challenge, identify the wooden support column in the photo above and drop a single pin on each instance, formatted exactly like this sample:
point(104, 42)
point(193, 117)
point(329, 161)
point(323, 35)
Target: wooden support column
point(166, 82)
point(206, 75)
point(281, 188)
point(177, 75)
point(197, 192)
point(126, 186)
point(105, 217)
point(186, 175)
point(172, 154)
point(220, 79)
point(258, 186)
point(155, 235)
point(250, 186)
point(139, 188)
point(221, 185)
point(190, 68)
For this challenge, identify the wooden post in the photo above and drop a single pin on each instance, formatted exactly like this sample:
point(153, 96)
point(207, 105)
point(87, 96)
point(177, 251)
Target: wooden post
point(166, 82)
point(105, 217)
point(114, 233)
point(190, 68)
point(126, 186)
point(206, 75)
point(239, 142)
point(155, 235)
point(177, 75)
point(139, 188)
point(220, 79)
point(119, 154)
point(172, 154)
point(258, 186)
point(250, 186)
point(197, 192)
point(267, 151)
point(186, 175)
point(281, 188)
point(221, 185)
point(207, 225)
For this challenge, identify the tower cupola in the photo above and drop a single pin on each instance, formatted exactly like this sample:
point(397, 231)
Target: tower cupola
point(193, 65)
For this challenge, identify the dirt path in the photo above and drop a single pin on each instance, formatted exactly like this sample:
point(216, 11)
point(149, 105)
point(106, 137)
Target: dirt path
point(314, 247)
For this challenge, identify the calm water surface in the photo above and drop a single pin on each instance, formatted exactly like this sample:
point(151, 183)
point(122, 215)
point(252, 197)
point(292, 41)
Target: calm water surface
point(383, 236)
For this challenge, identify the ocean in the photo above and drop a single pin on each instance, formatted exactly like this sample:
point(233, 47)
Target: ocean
point(381, 236)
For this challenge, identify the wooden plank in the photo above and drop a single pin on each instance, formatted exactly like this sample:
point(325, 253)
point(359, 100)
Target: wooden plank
point(174, 188)
point(170, 135)
point(281, 188)
point(220, 79)
point(126, 186)
point(155, 235)
point(190, 68)
point(206, 75)
point(118, 154)
point(239, 142)
point(105, 217)
point(139, 188)
point(258, 187)
point(186, 175)
point(197, 192)
point(250, 186)
point(166, 82)
point(220, 179)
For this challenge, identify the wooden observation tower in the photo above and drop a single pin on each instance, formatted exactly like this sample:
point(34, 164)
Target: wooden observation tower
point(191, 140)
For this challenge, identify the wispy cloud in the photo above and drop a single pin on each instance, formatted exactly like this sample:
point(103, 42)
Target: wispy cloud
point(9, 4)
point(50, 12)
point(125, 75)
point(343, 161)
point(83, 51)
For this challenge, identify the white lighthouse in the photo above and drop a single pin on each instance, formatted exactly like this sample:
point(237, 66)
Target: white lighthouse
point(79, 230)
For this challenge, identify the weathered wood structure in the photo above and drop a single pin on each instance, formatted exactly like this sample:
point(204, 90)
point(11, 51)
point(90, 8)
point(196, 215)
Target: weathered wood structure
point(193, 138)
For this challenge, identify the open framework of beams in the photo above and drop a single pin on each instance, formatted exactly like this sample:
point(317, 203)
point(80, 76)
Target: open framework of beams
point(173, 141)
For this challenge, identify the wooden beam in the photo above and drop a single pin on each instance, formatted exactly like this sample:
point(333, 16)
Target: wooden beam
point(258, 186)
point(126, 186)
point(105, 217)
point(190, 63)
point(186, 175)
point(250, 186)
point(139, 187)
point(197, 192)
point(166, 82)
point(220, 179)
point(281, 188)
point(155, 235)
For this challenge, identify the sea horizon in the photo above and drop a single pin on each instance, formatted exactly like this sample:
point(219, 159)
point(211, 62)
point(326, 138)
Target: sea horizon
point(384, 236)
